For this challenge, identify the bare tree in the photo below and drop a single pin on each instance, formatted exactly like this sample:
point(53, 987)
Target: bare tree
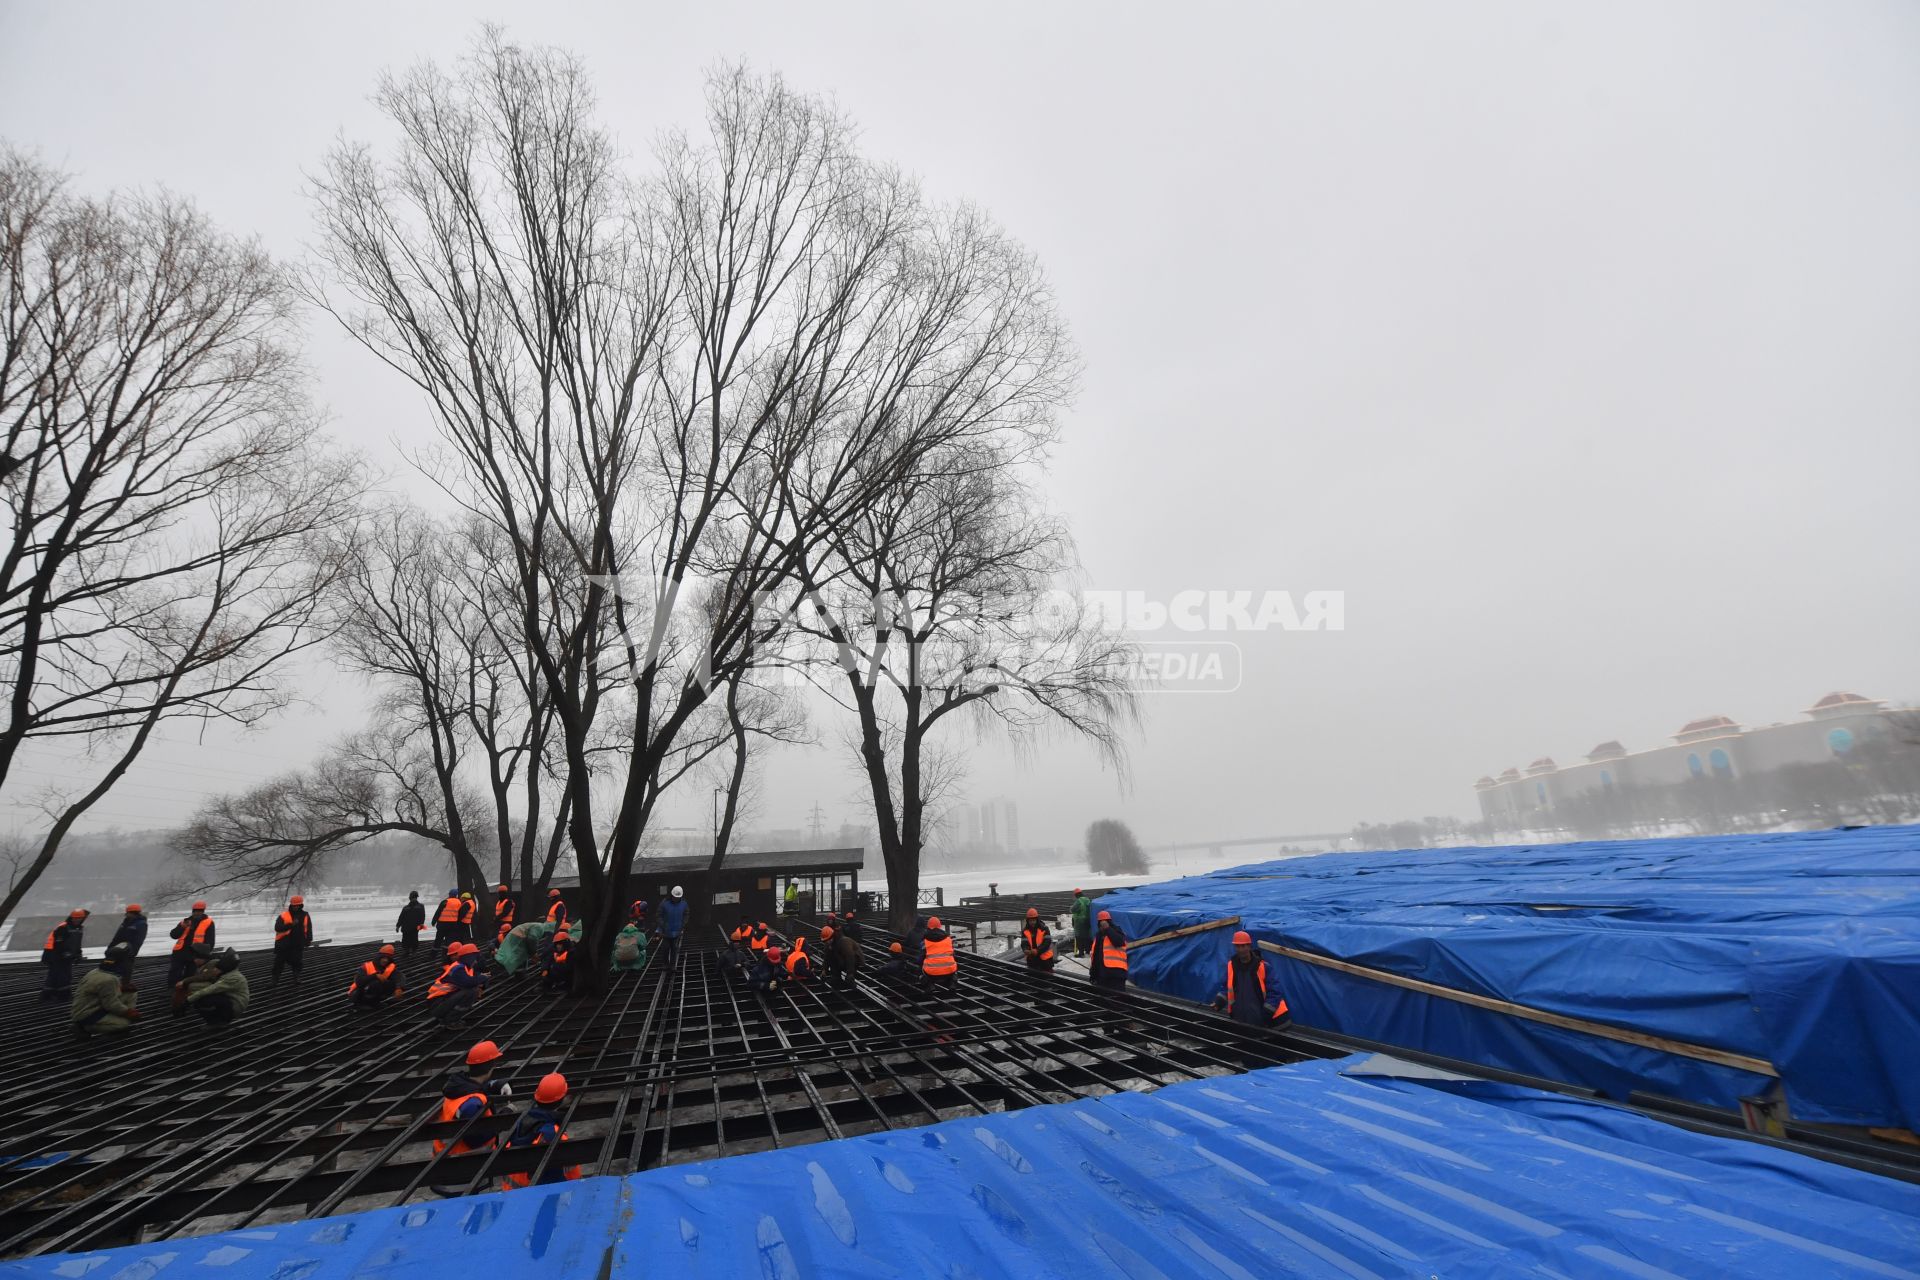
point(938, 608)
point(171, 509)
point(1112, 849)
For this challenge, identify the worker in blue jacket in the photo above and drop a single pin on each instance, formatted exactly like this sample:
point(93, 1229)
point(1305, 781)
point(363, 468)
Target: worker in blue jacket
point(673, 923)
point(133, 932)
point(1251, 995)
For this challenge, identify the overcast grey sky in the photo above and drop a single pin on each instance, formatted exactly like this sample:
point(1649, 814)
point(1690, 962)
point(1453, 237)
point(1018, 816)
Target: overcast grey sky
point(1576, 344)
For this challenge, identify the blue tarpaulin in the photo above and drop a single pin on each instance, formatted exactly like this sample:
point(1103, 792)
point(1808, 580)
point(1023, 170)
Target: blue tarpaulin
point(1320, 1169)
point(1802, 950)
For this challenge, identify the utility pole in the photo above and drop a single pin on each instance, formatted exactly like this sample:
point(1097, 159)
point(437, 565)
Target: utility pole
point(816, 824)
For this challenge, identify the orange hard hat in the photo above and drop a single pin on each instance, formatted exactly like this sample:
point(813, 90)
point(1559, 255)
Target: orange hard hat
point(896, 948)
point(133, 908)
point(296, 901)
point(1106, 915)
point(933, 922)
point(826, 931)
point(483, 1053)
point(1076, 893)
point(1033, 913)
point(562, 933)
point(199, 906)
point(1242, 939)
point(469, 949)
point(553, 893)
point(500, 888)
point(552, 1088)
point(387, 950)
point(78, 913)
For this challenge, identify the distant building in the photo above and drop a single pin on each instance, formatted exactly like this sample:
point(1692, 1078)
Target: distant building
point(1713, 746)
point(1000, 826)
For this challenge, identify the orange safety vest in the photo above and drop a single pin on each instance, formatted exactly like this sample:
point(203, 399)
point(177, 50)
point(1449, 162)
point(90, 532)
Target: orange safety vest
point(1113, 952)
point(740, 934)
point(53, 936)
point(467, 908)
point(371, 970)
point(192, 934)
point(514, 1181)
point(284, 925)
point(758, 940)
point(557, 913)
point(795, 956)
point(937, 960)
point(1033, 938)
point(441, 987)
point(449, 911)
point(504, 909)
point(1260, 973)
point(449, 1112)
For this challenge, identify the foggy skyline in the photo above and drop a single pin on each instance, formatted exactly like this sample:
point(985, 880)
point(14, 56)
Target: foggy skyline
point(1574, 348)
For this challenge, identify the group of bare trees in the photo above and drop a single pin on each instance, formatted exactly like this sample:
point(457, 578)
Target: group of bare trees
point(755, 414)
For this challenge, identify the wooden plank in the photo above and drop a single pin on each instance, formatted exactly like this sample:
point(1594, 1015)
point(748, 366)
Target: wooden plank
point(1739, 1061)
point(1191, 929)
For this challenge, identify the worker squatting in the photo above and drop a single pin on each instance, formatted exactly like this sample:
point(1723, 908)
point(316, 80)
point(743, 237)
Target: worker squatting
point(207, 982)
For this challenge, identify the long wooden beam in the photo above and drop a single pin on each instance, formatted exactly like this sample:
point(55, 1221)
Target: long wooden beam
point(1705, 1053)
point(1188, 931)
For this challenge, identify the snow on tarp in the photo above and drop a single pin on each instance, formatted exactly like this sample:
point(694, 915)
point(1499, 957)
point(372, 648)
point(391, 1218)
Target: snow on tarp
point(1298, 1170)
point(1802, 950)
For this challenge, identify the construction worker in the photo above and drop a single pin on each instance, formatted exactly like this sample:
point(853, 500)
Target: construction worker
point(916, 940)
point(896, 965)
point(673, 923)
point(630, 948)
point(759, 938)
point(1108, 965)
point(505, 908)
point(1082, 923)
point(1036, 942)
point(540, 1127)
point(226, 996)
point(446, 921)
point(377, 982)
point(470, 1094)
point(769, 971)
point(849, 926)
point(798, 962)
point(133, 932)
point(457, 988)
point(522, 947)
point(413, 918)
point(193, 943)
point(939, 967)
point(637, 913)
point(558, 974)
point(841, 955)
point(793, 898)
point(58, 953)
point(1249, 997)
point(556, 909)
point(292, 935)
point(99, 1006)
point(204, 971)
point(469, 909)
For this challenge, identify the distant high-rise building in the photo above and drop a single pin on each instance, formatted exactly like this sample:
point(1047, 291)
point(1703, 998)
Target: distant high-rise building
point(1000, 825)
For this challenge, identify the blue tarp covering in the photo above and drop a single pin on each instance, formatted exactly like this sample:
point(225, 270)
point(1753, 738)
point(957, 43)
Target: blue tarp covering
point(1802, 950)
point(1292, 1171)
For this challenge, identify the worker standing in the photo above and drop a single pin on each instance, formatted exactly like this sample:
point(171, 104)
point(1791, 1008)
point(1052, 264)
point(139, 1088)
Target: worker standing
point(1250, 997)
point(470, 1094)
point(540, 1127)
point(1108, 966)
point(939, 967)
point(469, 910)
point(458, 987)
point(558, 975)
point(133, 932)
point(1036, 941)
point(377, 982)
point(193, 943)
point(226, 997)
point(793, 898)
point(413, 918)
point(446, 921)
point(58, 953)
point(100, 1007)
point(556, 909)
point(841, 960)
point(505, 908)
point(292, 935)
point(673, 923)
point(1082, 923)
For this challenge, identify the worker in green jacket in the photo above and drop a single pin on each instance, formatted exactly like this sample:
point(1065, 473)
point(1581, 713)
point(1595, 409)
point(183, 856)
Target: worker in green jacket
point(630, 949)
point(225, 998)
point(1082, 923)
point(100, 1007)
